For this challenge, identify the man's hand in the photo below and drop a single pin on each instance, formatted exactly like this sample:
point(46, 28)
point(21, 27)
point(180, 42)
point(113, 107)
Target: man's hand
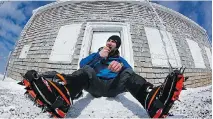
point(115, 66)
point(104, 52)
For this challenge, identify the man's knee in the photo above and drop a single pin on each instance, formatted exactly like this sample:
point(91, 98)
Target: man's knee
point(89, 71)
point(80, 75)
point(123, 77)
point(129, 74)
point(126, 73)
point(86, 71)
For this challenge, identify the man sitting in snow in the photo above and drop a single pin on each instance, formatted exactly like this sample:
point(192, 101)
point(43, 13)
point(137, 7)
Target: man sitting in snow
point(104, 73)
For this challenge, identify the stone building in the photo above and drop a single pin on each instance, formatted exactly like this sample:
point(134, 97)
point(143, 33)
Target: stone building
point(59, 34)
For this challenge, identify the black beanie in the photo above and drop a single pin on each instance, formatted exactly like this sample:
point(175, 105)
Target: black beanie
point(117, 39)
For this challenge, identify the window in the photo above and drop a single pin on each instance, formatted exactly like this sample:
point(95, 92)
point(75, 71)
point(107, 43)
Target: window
point(156, 39)
point(95, 29)
point(65, 42)
point(196, 54)
point(209, 55)
point(25, 51)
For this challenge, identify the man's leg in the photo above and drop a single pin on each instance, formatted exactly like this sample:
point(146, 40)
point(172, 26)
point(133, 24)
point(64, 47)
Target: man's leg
point(134, 83)
point(55, 92)
point(75, 82)
point(157, 101)
point(85, 78)
point(141, 89)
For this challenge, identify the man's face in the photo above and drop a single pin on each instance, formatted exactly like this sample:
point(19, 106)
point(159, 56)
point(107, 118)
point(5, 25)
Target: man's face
point(111, 44)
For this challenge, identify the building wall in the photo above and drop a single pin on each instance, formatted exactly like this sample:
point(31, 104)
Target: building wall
point(42, 29)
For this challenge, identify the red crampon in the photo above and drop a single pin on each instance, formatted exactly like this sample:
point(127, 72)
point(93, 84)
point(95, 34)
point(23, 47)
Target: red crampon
point(163, 97)
point(52, 97)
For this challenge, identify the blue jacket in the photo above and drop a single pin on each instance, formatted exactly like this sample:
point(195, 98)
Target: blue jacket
point(100, 65)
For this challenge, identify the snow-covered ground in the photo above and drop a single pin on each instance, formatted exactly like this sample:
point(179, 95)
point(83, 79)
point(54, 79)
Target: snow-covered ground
point(196, 103)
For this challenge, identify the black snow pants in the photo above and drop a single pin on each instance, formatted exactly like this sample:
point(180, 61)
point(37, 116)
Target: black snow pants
point(85, 78)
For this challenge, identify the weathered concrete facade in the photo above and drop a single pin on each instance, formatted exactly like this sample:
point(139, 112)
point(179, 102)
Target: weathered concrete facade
point(42, 29)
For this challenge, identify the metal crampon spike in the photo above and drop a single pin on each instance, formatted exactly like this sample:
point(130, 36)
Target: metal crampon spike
point(51, 116)
point(43, 109)
point(184, 88)
point(186, 78)
point(169, 114)
point(20, 83)
point(183, 70)
point(176, 89)
point(35, 103)
point(27, 88)
point(178, 100)
point(40, 105)
point(180, 68)
point(22, 75)
point(48, 109)
point(26, 93)
point(36, 98)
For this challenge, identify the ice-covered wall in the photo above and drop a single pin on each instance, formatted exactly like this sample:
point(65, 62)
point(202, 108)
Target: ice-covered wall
point(43, 28)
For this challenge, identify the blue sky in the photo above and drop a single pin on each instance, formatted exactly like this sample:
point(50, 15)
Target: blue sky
point(14, 15)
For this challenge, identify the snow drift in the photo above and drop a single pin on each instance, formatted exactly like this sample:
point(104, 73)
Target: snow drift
point(195, 103)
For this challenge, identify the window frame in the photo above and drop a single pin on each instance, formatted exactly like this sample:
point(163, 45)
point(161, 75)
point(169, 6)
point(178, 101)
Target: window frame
point(123, 28)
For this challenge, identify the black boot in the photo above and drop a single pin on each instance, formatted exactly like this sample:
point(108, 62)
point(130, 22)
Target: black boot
point(51, 96)
point(143, 91)
point(74, 82)
point(55, 92)
point(157, 101)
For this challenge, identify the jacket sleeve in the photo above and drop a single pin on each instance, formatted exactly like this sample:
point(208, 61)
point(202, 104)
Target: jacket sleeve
point(125, 64)
point(90, 60)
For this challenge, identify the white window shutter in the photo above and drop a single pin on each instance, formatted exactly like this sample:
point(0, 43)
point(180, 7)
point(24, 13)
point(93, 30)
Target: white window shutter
point(209, 55)
point(65, 42)
point(157, 48)
point(196, 54)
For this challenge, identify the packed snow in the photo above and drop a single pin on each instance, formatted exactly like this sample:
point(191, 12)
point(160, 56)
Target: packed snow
point(195, 103)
